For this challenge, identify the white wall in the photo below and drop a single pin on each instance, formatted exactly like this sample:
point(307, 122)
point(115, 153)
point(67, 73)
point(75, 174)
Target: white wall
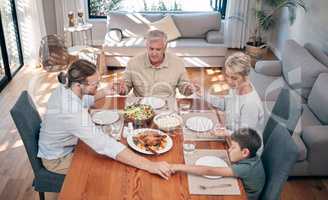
point(310, 26)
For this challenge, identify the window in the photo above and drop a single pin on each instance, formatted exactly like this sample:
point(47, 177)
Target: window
point(100, 8)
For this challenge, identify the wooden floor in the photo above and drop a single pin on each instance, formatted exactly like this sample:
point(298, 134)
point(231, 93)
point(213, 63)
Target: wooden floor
point(15, 170)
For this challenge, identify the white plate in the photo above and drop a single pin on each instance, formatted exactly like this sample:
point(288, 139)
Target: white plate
point(168, 146)
point(211, 161)
point(154, 102)
point(199, 124)
point(105, 117)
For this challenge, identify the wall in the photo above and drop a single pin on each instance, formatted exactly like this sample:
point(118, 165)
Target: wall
point(310, 26)
point(50, 16)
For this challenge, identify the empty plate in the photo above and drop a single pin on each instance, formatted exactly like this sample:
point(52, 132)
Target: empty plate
point(211, 161)
point(199, 124)
point(154, 102)
point(105, 117)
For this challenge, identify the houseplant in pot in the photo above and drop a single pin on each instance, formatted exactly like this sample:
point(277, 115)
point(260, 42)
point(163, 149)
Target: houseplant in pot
point(266, 14)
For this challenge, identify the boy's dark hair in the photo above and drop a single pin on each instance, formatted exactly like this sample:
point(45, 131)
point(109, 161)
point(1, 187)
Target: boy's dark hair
point(247, 138)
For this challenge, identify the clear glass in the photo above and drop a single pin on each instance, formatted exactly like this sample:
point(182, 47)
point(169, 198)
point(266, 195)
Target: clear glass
point(10, 33)
point(184, 107)
point(189, 146)
point(116, 132)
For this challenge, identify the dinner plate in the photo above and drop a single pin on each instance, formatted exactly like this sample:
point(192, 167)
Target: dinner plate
point(211, 161)
point(199, 124)
point(168, 146)
point(154, 102)
point(105, 117)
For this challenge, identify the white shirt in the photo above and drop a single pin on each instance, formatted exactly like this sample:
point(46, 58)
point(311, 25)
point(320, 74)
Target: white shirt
point(67, 120)
point(242, 111)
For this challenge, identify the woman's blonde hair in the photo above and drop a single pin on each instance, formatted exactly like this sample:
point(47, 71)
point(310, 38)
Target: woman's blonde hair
point(239, 63)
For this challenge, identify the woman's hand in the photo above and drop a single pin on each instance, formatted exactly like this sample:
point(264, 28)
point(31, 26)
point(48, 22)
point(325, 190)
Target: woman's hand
point(160, 168)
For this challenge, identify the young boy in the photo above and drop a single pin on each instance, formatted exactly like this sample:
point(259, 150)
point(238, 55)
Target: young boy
point(245, 163)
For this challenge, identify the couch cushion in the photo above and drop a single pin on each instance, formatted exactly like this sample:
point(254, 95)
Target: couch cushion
point(196, 47)
point(132, 24)
point(215, 37)
point(300, 68)
point(166, 25)
point(318, 98)
point(316, 52)
point(268, 87)
point(181, 47)
point(268, 67)
point(196, 25)
point(302, 151)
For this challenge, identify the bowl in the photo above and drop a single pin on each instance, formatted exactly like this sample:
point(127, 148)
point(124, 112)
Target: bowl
point(138, 114)
point(168, 121)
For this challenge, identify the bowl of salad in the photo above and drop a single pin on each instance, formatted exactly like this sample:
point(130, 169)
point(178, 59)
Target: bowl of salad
point(139, 114)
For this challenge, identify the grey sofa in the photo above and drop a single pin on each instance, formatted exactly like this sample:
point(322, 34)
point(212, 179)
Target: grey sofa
point(304, 70)
point(201, 43)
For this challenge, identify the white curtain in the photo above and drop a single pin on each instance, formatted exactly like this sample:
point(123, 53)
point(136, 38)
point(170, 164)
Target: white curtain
point(236, 22)
point(62, 9)
point(31, 27)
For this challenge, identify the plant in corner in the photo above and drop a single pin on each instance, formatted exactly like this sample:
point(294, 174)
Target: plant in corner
point(266, 15)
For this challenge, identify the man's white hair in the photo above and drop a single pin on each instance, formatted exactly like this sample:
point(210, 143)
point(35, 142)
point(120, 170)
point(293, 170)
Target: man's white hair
point(156, 34)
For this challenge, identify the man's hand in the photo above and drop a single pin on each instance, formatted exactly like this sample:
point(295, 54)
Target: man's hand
point(119, 87)
point(192, 88)
point(160, 168)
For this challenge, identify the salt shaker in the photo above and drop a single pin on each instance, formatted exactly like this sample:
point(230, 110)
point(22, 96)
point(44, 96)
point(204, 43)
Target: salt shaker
point(130, 128)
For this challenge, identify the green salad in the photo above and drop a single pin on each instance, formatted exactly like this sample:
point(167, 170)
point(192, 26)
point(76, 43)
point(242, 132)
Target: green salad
point(138, 112)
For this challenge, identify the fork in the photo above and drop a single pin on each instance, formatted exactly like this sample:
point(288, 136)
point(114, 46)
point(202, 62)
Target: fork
point(223, 185)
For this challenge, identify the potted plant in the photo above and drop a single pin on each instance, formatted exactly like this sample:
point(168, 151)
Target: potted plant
point(266, 16)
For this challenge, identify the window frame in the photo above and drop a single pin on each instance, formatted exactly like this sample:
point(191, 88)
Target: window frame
point(217, 5)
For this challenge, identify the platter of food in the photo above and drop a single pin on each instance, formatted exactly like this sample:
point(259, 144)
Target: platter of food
point(138, 113)
point(150, 141)
point(168, 121)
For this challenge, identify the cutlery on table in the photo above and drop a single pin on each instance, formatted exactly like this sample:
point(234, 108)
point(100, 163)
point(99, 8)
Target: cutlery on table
point(223, 185)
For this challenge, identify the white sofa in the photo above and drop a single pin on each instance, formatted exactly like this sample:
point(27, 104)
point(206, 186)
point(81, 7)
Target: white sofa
point(201, 43)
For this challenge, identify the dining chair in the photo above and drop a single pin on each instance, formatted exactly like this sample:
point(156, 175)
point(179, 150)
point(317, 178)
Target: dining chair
point(27, 121)
point(286, 112)
point(278, 157)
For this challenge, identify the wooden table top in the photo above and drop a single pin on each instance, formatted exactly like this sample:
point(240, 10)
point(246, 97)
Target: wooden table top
point(93, 176)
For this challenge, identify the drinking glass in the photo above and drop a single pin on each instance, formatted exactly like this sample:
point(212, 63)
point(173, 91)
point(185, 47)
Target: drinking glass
point(189, 146)
point(184, 107)
point(116, 131)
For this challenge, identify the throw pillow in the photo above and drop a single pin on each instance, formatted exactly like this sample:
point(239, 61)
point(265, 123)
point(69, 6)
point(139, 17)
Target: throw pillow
point(316, 52)
point(115, 35)
point(168, 26)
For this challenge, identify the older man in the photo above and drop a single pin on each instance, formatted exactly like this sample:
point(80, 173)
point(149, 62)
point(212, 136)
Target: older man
point(155, 72)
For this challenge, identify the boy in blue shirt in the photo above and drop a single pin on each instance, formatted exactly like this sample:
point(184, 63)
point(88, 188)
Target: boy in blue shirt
point(246, 165)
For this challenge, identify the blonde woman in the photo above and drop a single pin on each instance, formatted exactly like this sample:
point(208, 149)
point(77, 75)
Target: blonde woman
point(242, 107)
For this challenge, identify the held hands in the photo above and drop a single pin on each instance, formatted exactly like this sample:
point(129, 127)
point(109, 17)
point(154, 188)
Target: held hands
point(119, 86)
point(160, 168)
point(192, 88)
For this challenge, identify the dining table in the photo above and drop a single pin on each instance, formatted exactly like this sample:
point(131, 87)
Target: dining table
point(93, 176)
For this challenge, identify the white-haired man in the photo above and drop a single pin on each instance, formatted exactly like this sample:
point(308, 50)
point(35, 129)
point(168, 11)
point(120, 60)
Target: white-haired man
point(156, 72)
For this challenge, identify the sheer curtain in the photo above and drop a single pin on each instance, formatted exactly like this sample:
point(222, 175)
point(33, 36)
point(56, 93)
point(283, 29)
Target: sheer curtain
point(236, 23)
point(31, 27)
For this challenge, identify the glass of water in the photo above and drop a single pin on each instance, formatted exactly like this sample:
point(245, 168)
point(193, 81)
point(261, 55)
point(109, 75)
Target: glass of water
point(116, 132)
point(184, 107)
point(189, 146)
